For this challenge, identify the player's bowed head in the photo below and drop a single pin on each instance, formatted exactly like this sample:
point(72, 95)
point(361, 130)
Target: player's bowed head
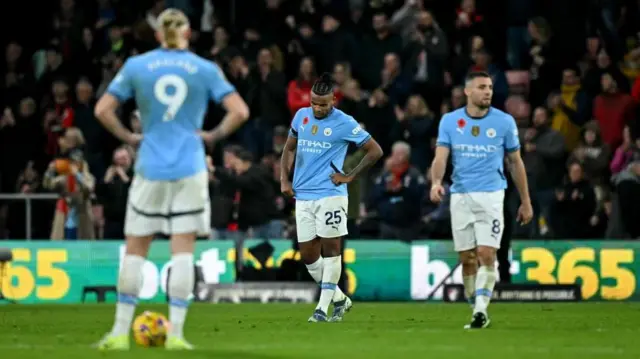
point(479, 91)
point(173, 30)
point(322, 96)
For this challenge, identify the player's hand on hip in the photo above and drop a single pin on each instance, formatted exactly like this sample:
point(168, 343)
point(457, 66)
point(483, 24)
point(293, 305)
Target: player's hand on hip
point(437, 193)
point(134, 139)
point(525, 213)
point(286, 188)
point(339, 178)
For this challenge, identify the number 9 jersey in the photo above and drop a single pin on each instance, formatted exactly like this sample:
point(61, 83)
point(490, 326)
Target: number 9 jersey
point(172, 88)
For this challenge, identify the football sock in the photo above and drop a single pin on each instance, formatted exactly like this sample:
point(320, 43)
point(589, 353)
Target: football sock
point(332, 268)
point(486, 280)
point(469, 286)
point(180, 287)
point(129, 284)
point(315, 269)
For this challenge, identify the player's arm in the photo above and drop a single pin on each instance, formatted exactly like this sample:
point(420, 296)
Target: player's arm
point(518, 172)
point(519, 175)
point(356, 134)
point(105, 112)
point(286, 160)
point(373, 152)
point(119, 90)
point(237, 115)
point(443, 148)
point(222, 92)
point(439, 165)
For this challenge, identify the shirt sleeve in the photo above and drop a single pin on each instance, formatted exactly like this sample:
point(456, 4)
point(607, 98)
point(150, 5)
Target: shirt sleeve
point(219, 87)
point(511, 140)
point(354, 133)
point(295, 124)
point(444, 139)
point(122, 85)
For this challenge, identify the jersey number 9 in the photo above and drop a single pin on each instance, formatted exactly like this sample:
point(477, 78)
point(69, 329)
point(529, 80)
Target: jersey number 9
point(173, 100)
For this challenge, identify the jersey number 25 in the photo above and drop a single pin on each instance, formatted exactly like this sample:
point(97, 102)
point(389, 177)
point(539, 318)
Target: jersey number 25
point(173, 100)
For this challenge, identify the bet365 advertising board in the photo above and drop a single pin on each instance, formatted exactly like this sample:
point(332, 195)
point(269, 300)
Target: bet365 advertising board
point(56, 272)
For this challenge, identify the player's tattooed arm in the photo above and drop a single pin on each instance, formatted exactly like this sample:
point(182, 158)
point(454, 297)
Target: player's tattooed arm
point(373, 154)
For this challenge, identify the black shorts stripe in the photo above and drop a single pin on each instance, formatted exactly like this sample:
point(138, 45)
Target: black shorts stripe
point(167, 216)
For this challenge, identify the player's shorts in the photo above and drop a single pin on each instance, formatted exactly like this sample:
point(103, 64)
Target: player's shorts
point(169, 207)
point(477, 219)
point(324, 218)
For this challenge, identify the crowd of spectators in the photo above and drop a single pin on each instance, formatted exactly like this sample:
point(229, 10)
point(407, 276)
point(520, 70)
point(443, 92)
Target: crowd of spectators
point(565, 69)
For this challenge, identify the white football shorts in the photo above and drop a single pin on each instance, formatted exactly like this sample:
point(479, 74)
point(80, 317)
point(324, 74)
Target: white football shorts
point(169, 207)
point(324, 218)
point(477, 219)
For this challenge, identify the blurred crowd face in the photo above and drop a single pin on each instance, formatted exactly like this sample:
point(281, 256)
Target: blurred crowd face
point(540, 117)
point(60, 92)
point(603, 59)
point(457, 97)
point(425, 21)
point(329, 24)
point(392, 64)
point(380, 23)
point(575, 173)
point(265, 59)
point(13, 53)
point(479, 92)
point(122, 158)
point(468, 6)
point(590, 137)
point(570, 78)
point(306, 69)
point(27, 107)
point(608, 83)
point(220, 36)
point(340, 74)
point(399, 156)
point(84, 92)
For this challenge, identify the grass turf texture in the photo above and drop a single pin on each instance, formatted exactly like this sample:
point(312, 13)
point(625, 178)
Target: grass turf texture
point(371, 330)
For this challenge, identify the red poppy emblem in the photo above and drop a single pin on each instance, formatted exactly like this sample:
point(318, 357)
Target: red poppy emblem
point(461, 123)
point(305, 121)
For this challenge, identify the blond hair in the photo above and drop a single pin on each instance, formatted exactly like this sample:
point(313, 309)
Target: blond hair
point(172, 23)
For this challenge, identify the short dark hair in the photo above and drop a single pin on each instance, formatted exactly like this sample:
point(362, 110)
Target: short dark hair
point(476, 75)
point(323, 85)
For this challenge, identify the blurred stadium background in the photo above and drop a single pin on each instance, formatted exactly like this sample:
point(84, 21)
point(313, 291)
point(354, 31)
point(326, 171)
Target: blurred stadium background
point(567, 70)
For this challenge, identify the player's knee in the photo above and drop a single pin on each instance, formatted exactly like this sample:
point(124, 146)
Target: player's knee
point(468, 257)
point(310, 251)
point(331, 247)
point(486, 255)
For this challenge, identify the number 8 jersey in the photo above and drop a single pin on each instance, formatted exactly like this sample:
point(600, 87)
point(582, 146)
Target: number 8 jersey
point(172, 89)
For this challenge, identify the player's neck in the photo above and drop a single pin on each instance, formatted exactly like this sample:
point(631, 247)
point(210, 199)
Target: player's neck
point(476, 112)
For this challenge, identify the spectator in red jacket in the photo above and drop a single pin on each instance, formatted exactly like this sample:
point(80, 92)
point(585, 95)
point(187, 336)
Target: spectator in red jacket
point(299, 91)
point(613, 110)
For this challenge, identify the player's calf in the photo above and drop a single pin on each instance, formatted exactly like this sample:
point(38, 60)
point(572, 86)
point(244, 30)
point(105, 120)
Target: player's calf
point(486, 278)
point(180, 287)
point(469, 262)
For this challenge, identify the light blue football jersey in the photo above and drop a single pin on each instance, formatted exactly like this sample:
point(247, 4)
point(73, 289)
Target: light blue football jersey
point(478, 147)
point(172, 89)
point(322, 148)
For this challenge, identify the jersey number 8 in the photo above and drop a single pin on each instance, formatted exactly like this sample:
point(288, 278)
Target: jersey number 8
point(173, 100)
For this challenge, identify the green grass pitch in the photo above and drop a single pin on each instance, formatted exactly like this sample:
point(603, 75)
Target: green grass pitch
point(371, 330)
